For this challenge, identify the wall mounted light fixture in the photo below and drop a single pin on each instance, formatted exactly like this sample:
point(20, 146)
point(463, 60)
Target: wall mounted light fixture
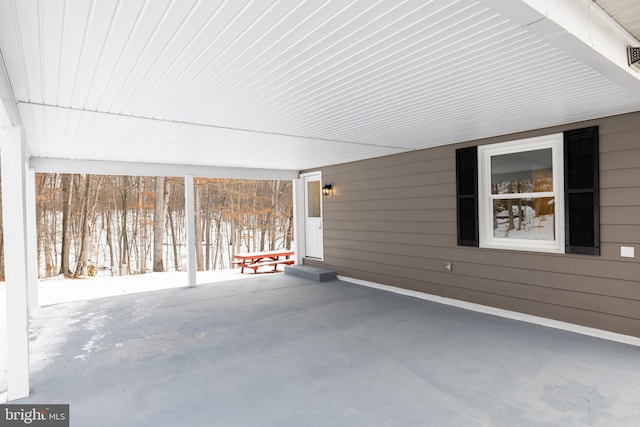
point(327, 190)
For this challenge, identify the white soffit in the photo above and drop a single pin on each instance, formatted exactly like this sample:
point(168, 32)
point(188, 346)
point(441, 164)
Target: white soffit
point(298, 84)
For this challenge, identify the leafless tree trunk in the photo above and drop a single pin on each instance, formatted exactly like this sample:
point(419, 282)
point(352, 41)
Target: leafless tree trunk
point(174, 241)
point(81, 257)
point(125, 257)
point(198, 222)
point(289, 234)
point(45, 234)
point(112, 263)
point(88, 217)
point(159, 221)
point(67, 199)
point(142, 227)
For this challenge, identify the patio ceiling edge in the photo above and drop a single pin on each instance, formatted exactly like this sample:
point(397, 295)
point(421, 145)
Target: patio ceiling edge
point(103, 167)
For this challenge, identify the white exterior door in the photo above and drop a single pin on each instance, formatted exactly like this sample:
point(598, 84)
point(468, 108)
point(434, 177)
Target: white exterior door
point(312, 184)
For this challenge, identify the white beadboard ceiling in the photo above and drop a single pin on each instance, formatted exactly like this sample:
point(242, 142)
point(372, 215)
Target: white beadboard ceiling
point(296, 84)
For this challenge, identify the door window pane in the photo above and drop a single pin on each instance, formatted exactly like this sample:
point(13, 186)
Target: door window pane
point(313, 199)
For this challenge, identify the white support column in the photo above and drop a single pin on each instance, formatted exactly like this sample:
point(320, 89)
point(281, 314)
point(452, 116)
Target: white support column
point(32, 239)
point(14, 214)
point(191, 228)
point(298, 220)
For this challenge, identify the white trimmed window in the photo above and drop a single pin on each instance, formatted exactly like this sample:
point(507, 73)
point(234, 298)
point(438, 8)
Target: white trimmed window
point(521, 195)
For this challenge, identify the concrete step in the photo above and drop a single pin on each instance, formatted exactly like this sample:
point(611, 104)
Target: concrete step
point(318, 274)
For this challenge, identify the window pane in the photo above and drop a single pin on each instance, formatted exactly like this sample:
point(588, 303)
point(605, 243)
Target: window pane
point(523, 172)
point(313, 199)
point(532, 219)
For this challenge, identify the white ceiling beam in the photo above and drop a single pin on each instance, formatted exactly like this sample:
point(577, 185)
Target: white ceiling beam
point(580, 28)
point(41, 164)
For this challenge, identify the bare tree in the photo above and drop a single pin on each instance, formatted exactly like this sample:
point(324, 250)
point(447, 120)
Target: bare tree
point(198, 221)
point(108, 219)
point(159, 221)
point(89, 203)
point(67, 199)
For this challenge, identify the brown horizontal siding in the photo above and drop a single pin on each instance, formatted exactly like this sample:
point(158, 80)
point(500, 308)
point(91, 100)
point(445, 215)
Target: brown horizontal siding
point(347, 200)
point(437, 169)
point(627, 159)
point(430, 262)
point(392, 220)
point(619, 233)
point(418, 158)
point(415, 215)
point(431, 259)
point(616, 142)
point(620, 196)
point(410, 238)
point(421, 227)
point(620, 215)
point(418, 185)
point(402, 239)
point(581, 316)
point(619, 178)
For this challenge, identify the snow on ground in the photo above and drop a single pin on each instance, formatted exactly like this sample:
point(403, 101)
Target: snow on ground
point(57, 290)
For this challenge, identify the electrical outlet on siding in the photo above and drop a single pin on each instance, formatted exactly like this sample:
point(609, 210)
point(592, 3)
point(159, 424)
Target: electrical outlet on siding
point(627, 252)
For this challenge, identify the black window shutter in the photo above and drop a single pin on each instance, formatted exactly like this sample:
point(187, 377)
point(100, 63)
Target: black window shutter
point(467, 195)
point(581, 183)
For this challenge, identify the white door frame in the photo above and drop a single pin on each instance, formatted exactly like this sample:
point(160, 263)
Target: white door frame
point(299, 202)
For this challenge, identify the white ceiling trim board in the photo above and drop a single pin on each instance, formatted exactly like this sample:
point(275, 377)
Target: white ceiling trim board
point(49, 165)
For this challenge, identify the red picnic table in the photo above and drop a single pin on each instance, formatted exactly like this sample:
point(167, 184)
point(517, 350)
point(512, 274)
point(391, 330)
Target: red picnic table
point(255, 260)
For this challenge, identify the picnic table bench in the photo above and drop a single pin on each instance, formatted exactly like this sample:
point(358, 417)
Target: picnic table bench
point(255, 260)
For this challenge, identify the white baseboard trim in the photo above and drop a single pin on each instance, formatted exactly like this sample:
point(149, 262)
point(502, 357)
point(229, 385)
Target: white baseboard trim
point(522, 317)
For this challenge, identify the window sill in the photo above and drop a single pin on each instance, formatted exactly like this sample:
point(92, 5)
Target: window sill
point(524, 247)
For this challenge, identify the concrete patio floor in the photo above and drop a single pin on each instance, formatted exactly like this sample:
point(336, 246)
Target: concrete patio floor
point(283, 351)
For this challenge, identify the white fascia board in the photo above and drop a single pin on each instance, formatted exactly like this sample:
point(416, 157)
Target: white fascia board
point(580, 28)
point(97, 167)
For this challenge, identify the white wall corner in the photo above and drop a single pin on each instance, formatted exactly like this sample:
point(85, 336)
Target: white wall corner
point(12, 166)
